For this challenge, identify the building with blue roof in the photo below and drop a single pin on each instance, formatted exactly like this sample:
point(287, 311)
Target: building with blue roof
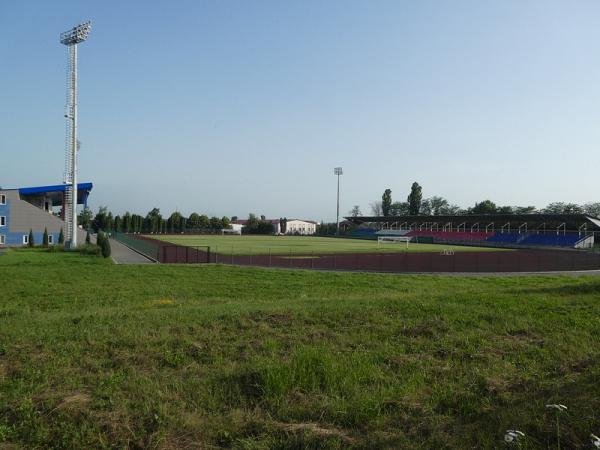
point(36, 209)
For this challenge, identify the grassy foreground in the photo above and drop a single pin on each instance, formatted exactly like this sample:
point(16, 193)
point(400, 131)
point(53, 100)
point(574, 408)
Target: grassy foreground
point(283, 245)
point(95, 355)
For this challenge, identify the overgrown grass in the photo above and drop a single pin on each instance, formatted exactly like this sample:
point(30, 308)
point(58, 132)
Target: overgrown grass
point(95, 355)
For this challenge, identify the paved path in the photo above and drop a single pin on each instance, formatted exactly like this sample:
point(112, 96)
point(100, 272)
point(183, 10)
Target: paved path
point(121, 254)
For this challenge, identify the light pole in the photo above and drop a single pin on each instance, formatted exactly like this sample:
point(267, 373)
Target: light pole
point(71, 38)
point(338, 171)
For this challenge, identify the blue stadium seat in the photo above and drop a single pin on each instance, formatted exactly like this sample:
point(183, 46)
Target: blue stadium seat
point(508, 238)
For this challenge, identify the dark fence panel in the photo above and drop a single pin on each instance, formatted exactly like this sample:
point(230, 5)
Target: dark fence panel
point(444, 262)
point(465, 262)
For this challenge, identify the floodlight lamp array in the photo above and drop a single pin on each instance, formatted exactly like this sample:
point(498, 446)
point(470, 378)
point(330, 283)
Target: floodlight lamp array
point(338, 171)
point(77, 34)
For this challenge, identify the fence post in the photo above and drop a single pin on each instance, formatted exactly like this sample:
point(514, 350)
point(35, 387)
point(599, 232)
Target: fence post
point(312, 260)
point(269, 256)
point(216, 254)
point(290, 258)
point(232, 255)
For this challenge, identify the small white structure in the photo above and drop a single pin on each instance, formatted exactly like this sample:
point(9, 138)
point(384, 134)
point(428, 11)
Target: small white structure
point(236, 228)
point(294, 226)
point(297, 226)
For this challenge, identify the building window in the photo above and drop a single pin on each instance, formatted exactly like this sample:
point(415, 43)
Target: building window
point(2, 239)
point(2, 199)
point(25, 239)
point(2, 221)
point(50, 239)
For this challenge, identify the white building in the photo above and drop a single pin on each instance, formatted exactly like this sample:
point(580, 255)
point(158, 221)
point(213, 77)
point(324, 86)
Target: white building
point(304, 227)
point(294, 226)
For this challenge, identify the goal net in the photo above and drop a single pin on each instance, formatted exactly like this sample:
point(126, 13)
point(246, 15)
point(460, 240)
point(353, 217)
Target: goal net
point(393, 240)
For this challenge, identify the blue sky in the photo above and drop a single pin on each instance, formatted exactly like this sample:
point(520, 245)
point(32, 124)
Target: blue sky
point(230, 107)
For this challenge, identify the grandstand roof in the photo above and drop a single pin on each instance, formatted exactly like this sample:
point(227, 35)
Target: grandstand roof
point(572, 221)
point(55, 192)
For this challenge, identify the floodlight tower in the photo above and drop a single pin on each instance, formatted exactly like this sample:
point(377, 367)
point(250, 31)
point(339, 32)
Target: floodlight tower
point(338, 171)
point(71, 39)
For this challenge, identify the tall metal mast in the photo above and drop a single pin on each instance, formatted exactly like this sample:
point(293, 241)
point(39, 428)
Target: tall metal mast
point(71, 38)
point(338, 171)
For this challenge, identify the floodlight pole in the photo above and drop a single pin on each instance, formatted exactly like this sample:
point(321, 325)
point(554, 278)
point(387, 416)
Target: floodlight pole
point(338, 171)
point(71, 39)
point(73, 143)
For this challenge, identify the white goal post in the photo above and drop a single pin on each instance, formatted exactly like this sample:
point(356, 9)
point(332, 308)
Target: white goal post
point(393, 240)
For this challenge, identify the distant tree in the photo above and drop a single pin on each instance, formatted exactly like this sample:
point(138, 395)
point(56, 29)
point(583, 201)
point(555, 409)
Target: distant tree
point(203, 222)
point(376, 209)
point(263, 218)
point(326, 229)
point(399, 209)
point(355, 211)
point(255, 226)
point(484, 207)
point(452, 210)
point(425, 209)
point(109, 222)
point(505, 210)
point(215, 223)
point(118, 225)
point(283, 225)
point(100, 221)
point(193, 221)
point(85, 218)
point(45, 238)
point(592, 209)
point(414, 199)
point(225, 223)
point(563, 208)
point(386, 202)
point(31, 242)
point(234, 218)
point(127, 222)
point(88, 239)
point(152, 221)
point(251, 223)
point(524, 209)
point(61, 237)
point(438, 205)
point(174, 222)
point(573, 208)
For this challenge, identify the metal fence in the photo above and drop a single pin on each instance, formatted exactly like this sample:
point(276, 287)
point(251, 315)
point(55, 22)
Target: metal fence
point(446, 260)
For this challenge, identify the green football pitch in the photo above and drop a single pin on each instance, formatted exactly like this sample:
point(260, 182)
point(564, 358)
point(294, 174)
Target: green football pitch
point(283, 245)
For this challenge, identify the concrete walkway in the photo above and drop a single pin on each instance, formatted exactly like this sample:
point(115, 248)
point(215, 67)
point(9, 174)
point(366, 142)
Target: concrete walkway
point(121, 254)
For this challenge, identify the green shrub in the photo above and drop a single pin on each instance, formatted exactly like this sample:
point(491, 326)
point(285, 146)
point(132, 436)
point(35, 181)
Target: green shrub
point(45, 238)
point(103, 244)
point(90, 249)
point(31, 242)
point(61, 237)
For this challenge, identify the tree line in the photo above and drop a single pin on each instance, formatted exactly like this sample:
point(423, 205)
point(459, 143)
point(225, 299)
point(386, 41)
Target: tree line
point(152, 223)
point(433, 206)
point(155, 223)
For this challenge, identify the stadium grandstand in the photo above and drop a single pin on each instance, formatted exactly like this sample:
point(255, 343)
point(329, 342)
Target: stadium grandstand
point(36, 209)
point(503, 230)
